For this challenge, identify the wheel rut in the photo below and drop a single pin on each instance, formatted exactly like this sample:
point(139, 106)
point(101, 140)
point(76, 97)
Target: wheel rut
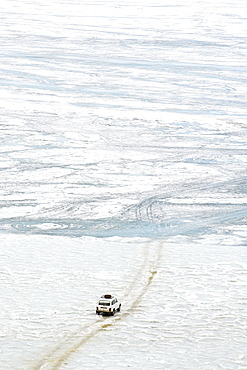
point(70, 344)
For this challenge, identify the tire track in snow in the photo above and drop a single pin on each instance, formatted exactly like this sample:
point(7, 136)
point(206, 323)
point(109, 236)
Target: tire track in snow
point(139, 285)
point(131, 299)
point(144, 210)
point(144, 277)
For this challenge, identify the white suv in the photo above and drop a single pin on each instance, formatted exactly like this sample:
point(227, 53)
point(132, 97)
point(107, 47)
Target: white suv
point(108, 304)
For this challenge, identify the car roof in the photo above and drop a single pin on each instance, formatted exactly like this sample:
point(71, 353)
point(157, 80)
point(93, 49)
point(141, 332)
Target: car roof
point(107, 296)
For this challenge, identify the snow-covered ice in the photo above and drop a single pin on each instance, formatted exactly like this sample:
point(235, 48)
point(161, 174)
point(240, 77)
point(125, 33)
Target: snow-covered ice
point(184, 302)
point(123, 170)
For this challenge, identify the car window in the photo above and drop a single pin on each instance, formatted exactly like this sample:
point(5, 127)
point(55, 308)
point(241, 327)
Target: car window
point(101, 303)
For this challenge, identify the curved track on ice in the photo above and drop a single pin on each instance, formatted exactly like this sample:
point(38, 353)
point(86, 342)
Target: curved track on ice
point(144, 277)
point(151, 255)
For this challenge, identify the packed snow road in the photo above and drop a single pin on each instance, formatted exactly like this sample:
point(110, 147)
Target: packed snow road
point(123, 165)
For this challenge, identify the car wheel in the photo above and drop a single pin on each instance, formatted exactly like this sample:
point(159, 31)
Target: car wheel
point(119, 308)
point(113, 312)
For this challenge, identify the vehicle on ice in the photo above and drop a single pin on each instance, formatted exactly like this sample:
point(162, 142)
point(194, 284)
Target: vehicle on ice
point(108, 304)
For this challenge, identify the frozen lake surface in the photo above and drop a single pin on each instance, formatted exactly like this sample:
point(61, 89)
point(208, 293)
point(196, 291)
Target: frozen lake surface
point(123, 170)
